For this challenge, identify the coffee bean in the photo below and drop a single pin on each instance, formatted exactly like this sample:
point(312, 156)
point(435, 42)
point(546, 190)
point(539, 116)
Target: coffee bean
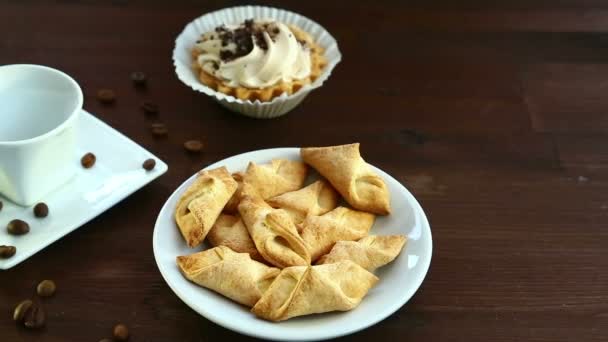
point(41, 210)
point(149, 164)
point(21, 309)
point(18, 227)
point(7, 251)
point(88, 160)
point(46, 288)
point(159, 130)
point(149, 108)
point(121, 332)
point(193, 146)
point(138, 78)
point(35, 317)
point(106, 96)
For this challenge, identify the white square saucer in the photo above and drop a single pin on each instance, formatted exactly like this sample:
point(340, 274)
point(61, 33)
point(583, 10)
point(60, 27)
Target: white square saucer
point(117, 173)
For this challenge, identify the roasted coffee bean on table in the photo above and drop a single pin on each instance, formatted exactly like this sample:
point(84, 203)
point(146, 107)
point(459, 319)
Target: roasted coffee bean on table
point(41, 210)
point(46, 288)
point(149, 164)
point(106, 96)
point(159, 129)
point(7, 251)
point(35, 317)
point(149, 108)
point(18, 227)
point(21, 309)
point(193, 146)
point(120, 332)
point(88, 160)
point(138, 78)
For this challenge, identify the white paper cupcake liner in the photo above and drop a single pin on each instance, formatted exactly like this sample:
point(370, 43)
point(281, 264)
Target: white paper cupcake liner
point(182, 58)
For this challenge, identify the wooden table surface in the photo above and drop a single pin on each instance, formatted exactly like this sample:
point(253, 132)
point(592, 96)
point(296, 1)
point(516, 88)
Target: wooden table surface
point(495, 116)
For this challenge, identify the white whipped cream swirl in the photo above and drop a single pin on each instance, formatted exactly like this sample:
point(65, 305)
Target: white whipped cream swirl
point(285, 59)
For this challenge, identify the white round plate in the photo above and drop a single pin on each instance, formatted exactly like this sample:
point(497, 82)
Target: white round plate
point(399, 280)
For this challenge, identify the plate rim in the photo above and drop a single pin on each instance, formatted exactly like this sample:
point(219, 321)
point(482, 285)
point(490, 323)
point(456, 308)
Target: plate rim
point(270, 336)
point(161, 168)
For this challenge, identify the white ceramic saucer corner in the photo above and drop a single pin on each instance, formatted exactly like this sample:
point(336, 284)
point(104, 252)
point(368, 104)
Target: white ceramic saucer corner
point(398, 280)
point(116, 174)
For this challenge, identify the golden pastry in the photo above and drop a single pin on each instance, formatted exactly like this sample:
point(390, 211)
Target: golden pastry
point(275, 178)
point(341, 224)
point(274, 234)
point(305, 290)
point(226, 272)
point(354, 179)
point(257, 60)
point(201, 204)
point(230, 231)
point(315, 199)
point(371, 252)
point(232, 207)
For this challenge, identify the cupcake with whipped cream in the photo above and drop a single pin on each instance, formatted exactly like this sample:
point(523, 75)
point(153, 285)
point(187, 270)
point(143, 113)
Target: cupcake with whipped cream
point(257, 60)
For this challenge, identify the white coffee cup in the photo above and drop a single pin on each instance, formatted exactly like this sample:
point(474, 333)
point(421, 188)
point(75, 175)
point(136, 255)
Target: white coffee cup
point(39, 107)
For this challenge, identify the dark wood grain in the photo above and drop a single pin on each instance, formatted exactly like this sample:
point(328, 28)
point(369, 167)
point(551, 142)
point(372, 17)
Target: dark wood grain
point(493, 114)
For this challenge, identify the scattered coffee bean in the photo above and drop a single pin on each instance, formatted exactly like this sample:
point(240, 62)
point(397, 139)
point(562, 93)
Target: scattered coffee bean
point(18, 227)
point(149, 108)
point(46, 288)
point(106, 96)
point(159, 130)
point(138, 78)
point(88, 160)
point(121, 332)
point(41, 210)
point(7, 251)
point(149, 164)
point(35, 317)
point(193, 146)
point(21, 309)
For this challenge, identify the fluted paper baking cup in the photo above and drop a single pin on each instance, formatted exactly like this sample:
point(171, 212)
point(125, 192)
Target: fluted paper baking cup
point(182, 58)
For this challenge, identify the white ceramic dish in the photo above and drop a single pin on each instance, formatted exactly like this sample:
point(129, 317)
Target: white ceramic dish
point(398, 280)
point(117, 173)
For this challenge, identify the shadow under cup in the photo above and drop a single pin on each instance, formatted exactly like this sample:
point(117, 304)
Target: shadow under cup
point(39, 109)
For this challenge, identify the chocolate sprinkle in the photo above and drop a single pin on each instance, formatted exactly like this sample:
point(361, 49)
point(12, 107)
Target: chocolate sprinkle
point(243, 38)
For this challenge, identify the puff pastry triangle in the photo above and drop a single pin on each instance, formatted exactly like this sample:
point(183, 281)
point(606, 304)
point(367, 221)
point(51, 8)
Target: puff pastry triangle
point(315, 199)
point(371, 252)
point(230, 231)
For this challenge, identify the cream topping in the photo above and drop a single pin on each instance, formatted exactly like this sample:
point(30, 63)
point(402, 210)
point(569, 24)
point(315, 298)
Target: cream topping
point(274, 55)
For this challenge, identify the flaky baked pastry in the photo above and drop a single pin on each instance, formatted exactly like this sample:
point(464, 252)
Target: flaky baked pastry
point(226, 272)
point(232, 207)
point(343, 166)
point(230, 231)
point(201, 204)
point(274, 234)
point(371, 252)
point(305, 290)
point(275, 178)
point(320, 233)
point(315, 199)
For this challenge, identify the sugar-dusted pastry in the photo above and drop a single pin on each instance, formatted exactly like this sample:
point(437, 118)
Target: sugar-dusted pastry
point(341, 224)
point(201, 204)
point(230, 231)
point(354, 179)
point(371, 252)
point(305, 290)
point(258, 59)
point(232, 207)
point(274, 234)
point(315, 199)
point(275, 178)
point(226, 272)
